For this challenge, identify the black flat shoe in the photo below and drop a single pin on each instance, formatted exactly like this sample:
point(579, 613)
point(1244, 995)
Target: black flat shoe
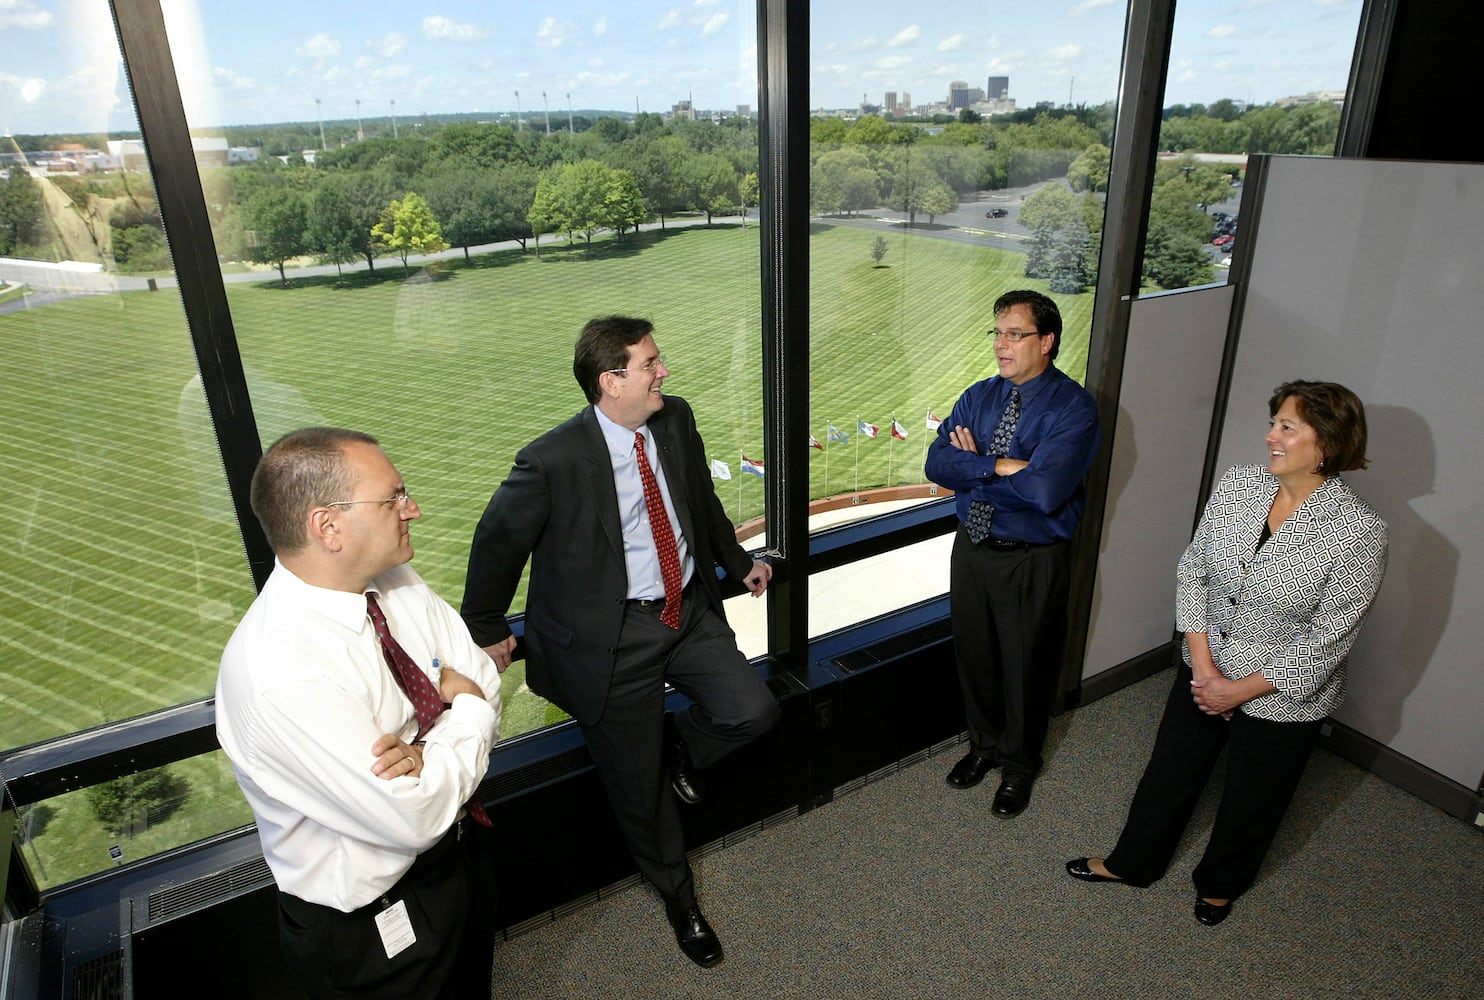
point(695, 936)
point(1080, 869)
point(1209, 913)
point(971, 770)
point(1013, 796)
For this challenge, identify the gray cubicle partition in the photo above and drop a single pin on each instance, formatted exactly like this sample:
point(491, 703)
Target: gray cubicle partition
point(1368, 273)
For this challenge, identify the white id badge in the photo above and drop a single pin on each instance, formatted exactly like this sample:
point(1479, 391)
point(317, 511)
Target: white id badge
point(396, 929)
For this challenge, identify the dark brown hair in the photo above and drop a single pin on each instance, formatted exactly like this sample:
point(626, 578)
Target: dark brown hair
point(1337, 416)
point(602, 346)
point(1043, 311)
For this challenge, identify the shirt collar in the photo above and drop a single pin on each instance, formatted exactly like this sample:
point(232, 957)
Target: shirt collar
point(620, 439)
point(1031, 387)
point(341, 607)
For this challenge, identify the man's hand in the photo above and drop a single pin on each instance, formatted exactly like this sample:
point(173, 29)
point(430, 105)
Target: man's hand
point(963, 439)
point(757, 580)
point(502, 652)
point(451, 682)
point(396, 759)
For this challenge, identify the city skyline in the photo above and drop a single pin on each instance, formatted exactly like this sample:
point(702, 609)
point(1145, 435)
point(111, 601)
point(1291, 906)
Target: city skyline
point(272, 62)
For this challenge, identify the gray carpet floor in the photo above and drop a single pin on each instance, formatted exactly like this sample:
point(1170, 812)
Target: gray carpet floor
point(909, 888)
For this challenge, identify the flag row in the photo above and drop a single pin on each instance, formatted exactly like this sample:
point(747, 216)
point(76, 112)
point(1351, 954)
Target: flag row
point(755, 467)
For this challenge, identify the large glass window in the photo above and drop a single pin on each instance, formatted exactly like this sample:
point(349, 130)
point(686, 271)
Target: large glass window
point(124, 573)
point(1243, 79)
point(951, 161)
point(417, 212)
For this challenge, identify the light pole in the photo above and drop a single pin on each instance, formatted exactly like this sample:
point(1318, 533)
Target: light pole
point(360, 132)
point(570, 127)
point(321, 116)
point(519, 125)
point(394, 117)
point(547, 107)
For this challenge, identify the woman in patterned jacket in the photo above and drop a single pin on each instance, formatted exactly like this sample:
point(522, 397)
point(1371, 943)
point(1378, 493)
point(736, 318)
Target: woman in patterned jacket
point(1271, 594)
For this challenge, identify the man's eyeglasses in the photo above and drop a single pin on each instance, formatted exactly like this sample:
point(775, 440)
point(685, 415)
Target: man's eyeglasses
point(647, 369)
point(399, 498)
point(1013, 336)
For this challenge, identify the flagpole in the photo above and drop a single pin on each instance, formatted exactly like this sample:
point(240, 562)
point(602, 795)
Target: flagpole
point(740, 474)
point(889, 447)
point(858, 453)
point(827, 443)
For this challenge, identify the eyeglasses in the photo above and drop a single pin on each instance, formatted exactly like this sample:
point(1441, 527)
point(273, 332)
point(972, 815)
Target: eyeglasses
point(647, 369)
point(1013, 336)
point(399, 498)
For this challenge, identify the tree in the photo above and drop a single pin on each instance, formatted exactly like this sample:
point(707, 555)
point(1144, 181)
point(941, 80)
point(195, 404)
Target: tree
point(276, 228)
point(129, 804)
point(22, 214)
point(1089, 171)
point(847, 181)
point(465, 201)
point(968, 116)
point(407, 227)
point(747, 190)
point(623, 203)
point(710, 183)
point(878, 250)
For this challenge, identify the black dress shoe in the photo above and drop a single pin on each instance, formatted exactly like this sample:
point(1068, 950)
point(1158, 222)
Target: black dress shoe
point(695, 936)
point(971, 770)
point(1079, 868)
point(1014, 795)
point(683, 776)
point(1209, 913)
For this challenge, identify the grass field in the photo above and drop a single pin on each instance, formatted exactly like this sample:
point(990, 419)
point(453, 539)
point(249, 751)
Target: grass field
point(127, 572)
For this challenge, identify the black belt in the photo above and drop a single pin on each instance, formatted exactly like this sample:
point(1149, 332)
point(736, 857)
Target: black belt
point(1002, 545)
point(654, 605)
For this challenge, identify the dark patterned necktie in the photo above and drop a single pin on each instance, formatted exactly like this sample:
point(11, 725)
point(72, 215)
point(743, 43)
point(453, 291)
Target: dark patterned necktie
point(418, 687)
point(981, 512)
point(664, 536)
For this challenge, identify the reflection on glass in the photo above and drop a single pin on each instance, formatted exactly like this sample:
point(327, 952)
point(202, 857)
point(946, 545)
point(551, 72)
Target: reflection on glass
point(949, 165)
point(416, 224)
point(124, 572)
point(1243, 79)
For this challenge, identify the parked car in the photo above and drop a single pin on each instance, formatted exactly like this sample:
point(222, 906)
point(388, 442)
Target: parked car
point(1222, 240)
point(997, 213)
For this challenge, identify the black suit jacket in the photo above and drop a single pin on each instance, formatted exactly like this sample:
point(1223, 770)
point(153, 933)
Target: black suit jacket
point(559, 509)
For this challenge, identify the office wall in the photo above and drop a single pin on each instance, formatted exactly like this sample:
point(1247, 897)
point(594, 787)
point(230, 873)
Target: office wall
point(1171, 367)
point(1367, 272)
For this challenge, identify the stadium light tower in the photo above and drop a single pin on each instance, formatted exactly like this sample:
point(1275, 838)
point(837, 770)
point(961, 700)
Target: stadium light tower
point(519, 125)
point(360, 132)
point(394, 117)
point(570, 127)
point(548, 112)
point(318, 113)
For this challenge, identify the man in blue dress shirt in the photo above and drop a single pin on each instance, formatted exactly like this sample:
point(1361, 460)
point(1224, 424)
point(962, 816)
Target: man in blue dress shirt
point(1015, 449)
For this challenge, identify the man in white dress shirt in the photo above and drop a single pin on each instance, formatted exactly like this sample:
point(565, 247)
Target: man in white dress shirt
point(364, 813)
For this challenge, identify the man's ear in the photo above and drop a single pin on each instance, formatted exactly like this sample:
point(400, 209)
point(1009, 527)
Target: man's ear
point(323, 528)
point(1048, 342)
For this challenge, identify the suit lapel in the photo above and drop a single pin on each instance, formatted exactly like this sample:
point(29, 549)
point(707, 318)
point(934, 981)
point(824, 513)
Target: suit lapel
point(599, 473)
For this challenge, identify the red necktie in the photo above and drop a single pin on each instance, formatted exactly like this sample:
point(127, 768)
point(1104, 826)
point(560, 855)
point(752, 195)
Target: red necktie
point(418, 688)
point(664, 537)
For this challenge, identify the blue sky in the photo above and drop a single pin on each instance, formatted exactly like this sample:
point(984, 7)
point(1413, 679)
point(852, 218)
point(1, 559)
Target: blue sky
point(268, 60)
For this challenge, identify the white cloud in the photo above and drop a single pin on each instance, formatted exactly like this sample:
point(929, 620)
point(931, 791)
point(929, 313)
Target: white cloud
point(669, 21)
point(601, 27)
point(551, 33)
point(23, 14)
point(893, 62)
point(715, 23)
point(1222, 30)
point(447, 29)
point(389, 45)
point(321, 46)
point(1087, 5)
point(1065, 53)
point(906, 35)
point(708, 3)
point(952, 43)
point(230, 79)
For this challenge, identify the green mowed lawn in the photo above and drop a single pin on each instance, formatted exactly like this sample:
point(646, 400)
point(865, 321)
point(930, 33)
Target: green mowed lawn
point(127, 573)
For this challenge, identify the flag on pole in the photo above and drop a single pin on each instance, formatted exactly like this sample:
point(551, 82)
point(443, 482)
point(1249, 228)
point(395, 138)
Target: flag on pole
point(751, 467)
point(932, 421)
point(720, 469)
point(897, 430)
point(836, 434)
point(869, 430)
point(814, 442)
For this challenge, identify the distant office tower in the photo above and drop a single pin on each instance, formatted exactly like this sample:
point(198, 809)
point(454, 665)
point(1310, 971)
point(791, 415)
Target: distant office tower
point(907, 102)
point(891, 102)
point(958, 95)
point(744, 111)
point(998, 88)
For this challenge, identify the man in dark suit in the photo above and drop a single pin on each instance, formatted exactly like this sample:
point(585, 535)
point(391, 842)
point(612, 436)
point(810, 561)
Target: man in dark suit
point(616, 513)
